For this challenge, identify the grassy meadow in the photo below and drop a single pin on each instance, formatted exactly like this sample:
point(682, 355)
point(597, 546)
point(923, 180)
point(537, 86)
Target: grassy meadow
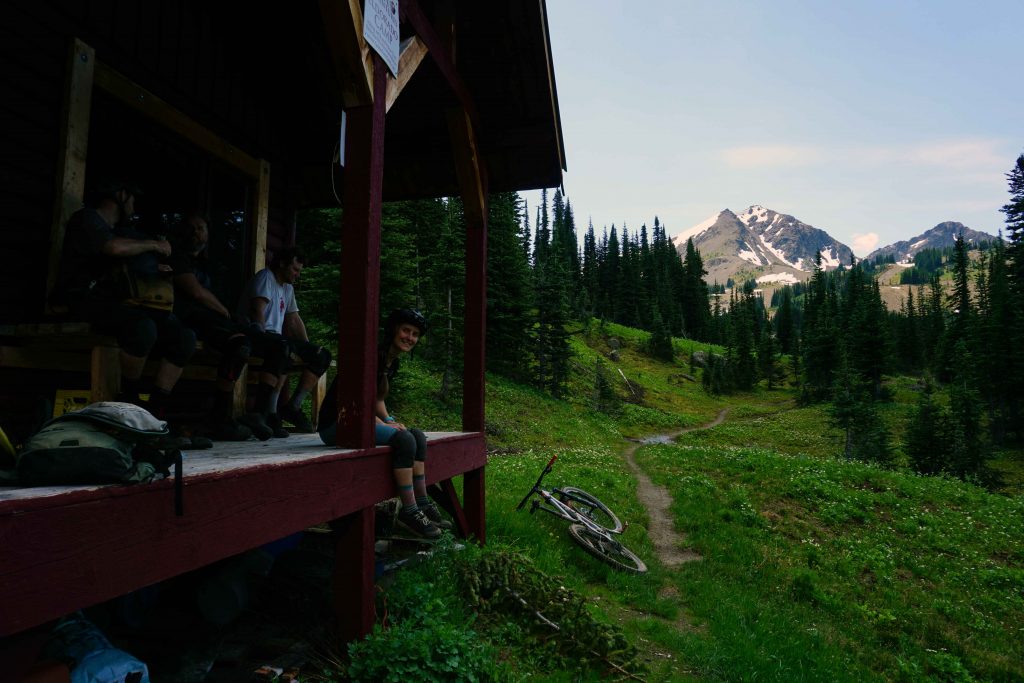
point(813, 568)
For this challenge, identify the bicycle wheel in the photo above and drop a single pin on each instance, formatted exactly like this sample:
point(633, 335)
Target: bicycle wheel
point(591, 508)
point(607, 550)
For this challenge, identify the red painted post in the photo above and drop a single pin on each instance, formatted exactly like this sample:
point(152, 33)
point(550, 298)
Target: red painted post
point(475, 360)
point(476, 320)
point(473, 504)
point(353, 587)
point(360, 267)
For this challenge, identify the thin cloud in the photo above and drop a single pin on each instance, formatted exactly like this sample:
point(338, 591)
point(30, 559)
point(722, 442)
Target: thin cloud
point(759, 156)
point(864, 243)
point(960, 155)
point(964, 155)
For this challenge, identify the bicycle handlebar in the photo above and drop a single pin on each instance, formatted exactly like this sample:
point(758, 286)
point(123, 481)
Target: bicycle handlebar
point(544, 473)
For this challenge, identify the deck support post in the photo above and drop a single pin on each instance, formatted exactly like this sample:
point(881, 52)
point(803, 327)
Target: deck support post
point(360, 267)
point(472, 177)
point(352, 586)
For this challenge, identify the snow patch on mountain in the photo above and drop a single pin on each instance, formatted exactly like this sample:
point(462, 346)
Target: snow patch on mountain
point(750, 257)
point(680, 239)
point(784, 278)
point(829, 259)
point(779, 254)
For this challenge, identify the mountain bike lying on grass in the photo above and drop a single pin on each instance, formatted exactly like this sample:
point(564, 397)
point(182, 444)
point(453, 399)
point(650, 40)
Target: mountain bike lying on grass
point(592, 524)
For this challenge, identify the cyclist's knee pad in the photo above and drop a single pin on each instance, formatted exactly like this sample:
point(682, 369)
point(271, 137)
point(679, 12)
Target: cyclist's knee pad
point(403, 449)
point(320, 362)
point(276, 358)
point(421, 444)
point(179, 346)
point(236, 355)
point(138, 337)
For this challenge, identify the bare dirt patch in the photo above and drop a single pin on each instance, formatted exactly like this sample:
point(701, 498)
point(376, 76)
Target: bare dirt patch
point(668, 543)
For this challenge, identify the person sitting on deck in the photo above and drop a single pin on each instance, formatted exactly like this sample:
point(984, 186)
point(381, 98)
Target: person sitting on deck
point(202, 311)
point(268, 303)
point(101, 253)
point(402, 331)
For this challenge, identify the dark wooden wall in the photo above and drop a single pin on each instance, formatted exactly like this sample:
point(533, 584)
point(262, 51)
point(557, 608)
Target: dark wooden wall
point(186, 54)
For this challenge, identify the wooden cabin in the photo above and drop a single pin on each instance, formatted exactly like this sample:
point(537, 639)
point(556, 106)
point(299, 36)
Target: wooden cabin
point(238, 108)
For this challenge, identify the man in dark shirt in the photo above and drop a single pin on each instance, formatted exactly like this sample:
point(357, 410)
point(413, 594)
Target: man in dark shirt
point(91, 283)
point(199, 307)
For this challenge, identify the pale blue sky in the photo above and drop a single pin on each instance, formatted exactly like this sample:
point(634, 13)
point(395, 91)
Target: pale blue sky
point(871, 120)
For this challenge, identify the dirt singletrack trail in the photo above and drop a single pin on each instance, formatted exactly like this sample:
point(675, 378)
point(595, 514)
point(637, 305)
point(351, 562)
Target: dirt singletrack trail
point(668, 543)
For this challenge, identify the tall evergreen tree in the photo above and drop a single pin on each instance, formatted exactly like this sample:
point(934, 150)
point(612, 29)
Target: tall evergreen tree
point(1014, 369)
point(927, 440)
point(854, 411)
point(508, 289)
point(785, 322)
point(694, 294)
point(590, 271)
point(819, 340)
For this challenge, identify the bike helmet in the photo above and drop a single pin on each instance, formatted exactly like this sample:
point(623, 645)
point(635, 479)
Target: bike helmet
point(406, 315)
point(109, 187)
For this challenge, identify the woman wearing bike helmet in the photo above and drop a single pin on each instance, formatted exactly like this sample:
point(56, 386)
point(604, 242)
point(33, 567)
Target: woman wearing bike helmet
point(402, 332)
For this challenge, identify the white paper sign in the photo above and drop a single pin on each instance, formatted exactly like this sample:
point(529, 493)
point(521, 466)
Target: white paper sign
point(380, 29)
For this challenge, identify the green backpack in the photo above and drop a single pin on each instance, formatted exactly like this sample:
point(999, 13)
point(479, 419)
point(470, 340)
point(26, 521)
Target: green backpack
point(104, 443)
point(80, 452)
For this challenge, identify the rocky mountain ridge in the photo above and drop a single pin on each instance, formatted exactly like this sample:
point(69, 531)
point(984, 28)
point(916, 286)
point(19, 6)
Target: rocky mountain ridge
point(775, 248)
point(941, 236)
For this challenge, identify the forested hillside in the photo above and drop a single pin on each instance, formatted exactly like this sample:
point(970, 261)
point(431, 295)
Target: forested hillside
point(820, 554)
point(831, 338)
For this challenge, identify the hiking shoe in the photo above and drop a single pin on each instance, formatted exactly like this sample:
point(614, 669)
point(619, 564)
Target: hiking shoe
point(297, 418)
point(434, 515)
point(274, 422)
point(418, 523)
point(260, 429)
point(230, 430)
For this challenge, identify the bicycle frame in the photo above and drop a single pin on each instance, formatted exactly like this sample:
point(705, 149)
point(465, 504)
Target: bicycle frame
point(595, 539)
point(568, 513)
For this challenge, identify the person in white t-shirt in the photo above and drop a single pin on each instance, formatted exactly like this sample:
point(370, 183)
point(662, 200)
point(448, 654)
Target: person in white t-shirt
point(268, 302)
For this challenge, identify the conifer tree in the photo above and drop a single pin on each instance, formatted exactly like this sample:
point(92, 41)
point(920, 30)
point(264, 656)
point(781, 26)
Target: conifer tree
point(853, 410)
point(1014, 369)
point(590, 271)
point(996, 348)
point(508, 289)
point(785, 323)
point(610, 277)
point(819, 337)
point(695, 293)
point(907, 340)
point(659, 344)
point(445, 299)
point(967, 451)
point(927, 440)
point(742, 341)
point(606, 400)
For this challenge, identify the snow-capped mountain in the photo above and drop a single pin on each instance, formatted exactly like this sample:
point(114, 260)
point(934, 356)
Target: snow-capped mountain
point(941, 236)
point(763, 244)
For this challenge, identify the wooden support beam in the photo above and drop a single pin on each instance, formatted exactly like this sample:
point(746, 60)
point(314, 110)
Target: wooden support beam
point(473, 189)
point(151, 106)
point(474, 504)
point(105, 373)
point(353, 588)
point(74, 145)
point(441, 54)
point(260, 214)
point(413, 52)
point(353, 63)
point(360, 268)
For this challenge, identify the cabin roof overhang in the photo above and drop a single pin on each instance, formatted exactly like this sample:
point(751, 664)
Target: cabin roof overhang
point(501, 53)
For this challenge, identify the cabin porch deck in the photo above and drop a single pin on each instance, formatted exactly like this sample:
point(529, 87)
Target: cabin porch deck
point(69, 547)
